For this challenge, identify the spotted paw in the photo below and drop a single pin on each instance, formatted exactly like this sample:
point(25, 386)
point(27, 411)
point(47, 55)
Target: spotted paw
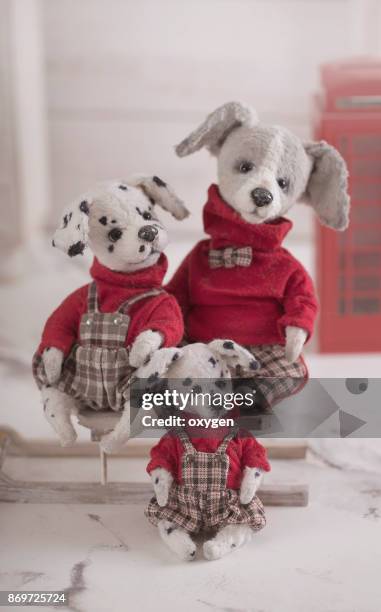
point(183, 545)
point(178, 540)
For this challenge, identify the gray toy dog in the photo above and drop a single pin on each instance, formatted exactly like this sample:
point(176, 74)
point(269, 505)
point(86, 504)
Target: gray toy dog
point(262, 172)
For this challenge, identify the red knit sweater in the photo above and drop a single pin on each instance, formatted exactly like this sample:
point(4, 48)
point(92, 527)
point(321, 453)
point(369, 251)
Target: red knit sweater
point(160, 313)
point(251, 305)
point(243, 450)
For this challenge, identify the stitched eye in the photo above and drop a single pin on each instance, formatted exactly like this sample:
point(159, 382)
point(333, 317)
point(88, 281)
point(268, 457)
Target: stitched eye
point(283, 183)
point(115, 234)
point(147, 216)
point(245, 167)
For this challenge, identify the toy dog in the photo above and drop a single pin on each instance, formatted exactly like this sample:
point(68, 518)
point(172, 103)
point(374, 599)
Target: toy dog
point(205, 479)
point(102, 331)
point(241, 282)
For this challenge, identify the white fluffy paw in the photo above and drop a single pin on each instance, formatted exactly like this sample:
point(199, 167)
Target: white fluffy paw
point(162, 481)
point(252, 478)
point(68, 438)
point(52, 359)
point(177, 540)
point(226, 541)
point(295, 339)
point(213, 550)
point(145, 344)
point(58, 408)
point(110, 443)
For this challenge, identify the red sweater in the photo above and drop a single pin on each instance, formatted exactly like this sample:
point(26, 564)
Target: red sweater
point(160, 313)
point(251, 305)
point(243, 450)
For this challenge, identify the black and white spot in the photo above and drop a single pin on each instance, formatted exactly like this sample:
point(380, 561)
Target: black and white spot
point(159, 182)
point(76, 249)
point(84, 207)
point(153, 377)
point(66, 219)
point(221, 384)
point(228, 345)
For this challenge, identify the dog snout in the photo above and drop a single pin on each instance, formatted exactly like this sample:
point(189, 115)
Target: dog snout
point(261, 196)
point(148, 233)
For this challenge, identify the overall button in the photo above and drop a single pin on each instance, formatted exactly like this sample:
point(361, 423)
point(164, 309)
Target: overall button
point(116, 321)
point(88, 322)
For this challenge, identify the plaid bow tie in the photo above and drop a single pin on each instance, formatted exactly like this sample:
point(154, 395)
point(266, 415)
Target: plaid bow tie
point(230, 257)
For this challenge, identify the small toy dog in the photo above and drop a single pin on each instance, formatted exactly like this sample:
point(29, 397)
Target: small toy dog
point(242, 282)
point(204, 479)
point(102, 331)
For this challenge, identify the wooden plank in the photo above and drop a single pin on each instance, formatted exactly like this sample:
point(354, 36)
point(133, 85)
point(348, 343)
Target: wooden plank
point(4, 445)
point(103, 467)
point(136, 448)
point(13, 491)
point(286, 451)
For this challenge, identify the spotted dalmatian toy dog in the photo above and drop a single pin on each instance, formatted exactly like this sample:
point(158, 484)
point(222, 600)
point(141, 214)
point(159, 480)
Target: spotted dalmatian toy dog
point(202, 367)
point(103, 331)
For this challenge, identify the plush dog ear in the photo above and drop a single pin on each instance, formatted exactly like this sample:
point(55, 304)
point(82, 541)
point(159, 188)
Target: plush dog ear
point(327, 186)
point(234, 354)
point(160, 193)
point(159, 364)
point(216, 127)
point(72, 234)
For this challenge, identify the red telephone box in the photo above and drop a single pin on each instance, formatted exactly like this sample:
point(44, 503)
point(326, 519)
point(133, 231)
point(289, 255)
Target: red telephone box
point(348, 116)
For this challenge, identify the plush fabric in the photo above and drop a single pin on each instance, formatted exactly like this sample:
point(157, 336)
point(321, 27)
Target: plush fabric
point(204, 499)
point(253, 156)
point(251, 305)
point(243, 450)
point(160, 313)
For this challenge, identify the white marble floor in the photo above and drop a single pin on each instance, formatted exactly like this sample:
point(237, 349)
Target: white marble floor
point(323, 558)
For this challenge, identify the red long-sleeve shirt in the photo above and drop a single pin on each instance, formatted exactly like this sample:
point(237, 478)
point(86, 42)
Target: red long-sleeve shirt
point(243, 450)
point(251, 305)
point(160, 313)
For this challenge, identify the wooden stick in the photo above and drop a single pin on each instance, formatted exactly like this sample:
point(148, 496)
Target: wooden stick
point(135, 448)
point(103, 458)
point(121, 493)
point(4, 445)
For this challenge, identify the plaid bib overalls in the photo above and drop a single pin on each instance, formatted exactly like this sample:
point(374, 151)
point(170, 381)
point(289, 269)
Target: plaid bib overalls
point(97, 370)
point(202, 500)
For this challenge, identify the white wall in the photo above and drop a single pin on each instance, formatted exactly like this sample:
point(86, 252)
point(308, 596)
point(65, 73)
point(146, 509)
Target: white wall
point(24, 172)
point(10, 232)
point(126, 80)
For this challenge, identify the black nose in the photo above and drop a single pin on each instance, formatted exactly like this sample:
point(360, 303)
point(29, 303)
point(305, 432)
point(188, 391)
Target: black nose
point(261, 197)
point(148, 233)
